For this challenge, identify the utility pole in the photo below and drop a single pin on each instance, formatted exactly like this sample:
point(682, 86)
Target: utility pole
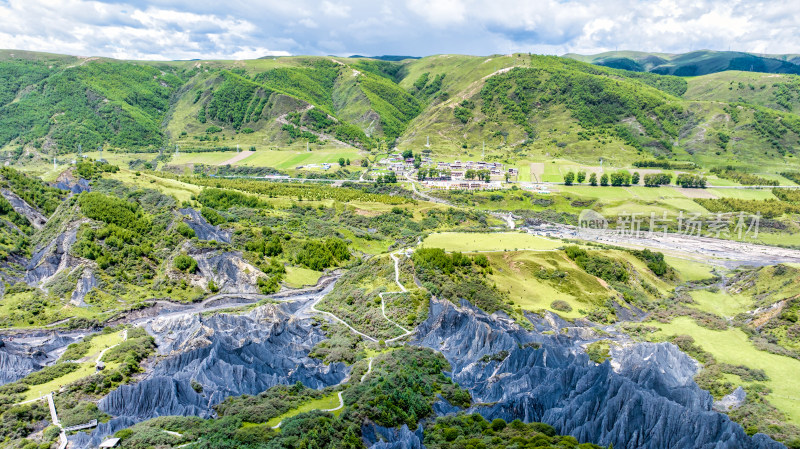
point(237, 147)
point(428, 141)
point(55, 167)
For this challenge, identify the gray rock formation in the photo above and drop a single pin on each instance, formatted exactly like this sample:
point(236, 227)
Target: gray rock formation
point(229, 355)
point(69, 181)
point(377, 437)
point(52, 258)
point(37, 219)
point(648, 401)
point(85, 284)
point(202, 228)
point(24, 353)
point(228, 270)
point(731, 401)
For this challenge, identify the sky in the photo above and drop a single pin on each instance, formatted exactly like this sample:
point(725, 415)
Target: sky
point(238, 29)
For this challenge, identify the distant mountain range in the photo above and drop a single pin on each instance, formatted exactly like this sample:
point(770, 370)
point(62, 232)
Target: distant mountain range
point(387, 57)
point(694, 63)
point(453, 104)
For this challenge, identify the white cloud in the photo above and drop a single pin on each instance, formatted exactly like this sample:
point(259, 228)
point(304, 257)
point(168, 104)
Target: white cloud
point(181, 29)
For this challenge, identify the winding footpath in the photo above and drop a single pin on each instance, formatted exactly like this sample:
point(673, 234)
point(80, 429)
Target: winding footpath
point(403, 289)
point(341, 400)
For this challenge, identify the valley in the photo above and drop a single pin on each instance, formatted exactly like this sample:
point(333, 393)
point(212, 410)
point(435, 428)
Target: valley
point(451, 251)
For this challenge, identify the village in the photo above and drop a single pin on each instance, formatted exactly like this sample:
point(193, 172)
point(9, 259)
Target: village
point(456, 175)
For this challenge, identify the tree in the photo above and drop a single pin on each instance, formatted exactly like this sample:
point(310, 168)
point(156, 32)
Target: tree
point(421, 174)
point(470, 174)
point(365, 162)
point(508, 176)
point(347, 161)
point(568, 178)
point(581, 176)
point(635, 178)
point(417, 161)
point(620, 178)
point(342, 162)
point(593, 179)
point(604, 180)
point(657, 179)
point(408, 154)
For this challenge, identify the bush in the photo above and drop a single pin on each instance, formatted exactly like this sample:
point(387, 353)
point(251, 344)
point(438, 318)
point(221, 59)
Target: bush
point(603, 267)
point(185, 263)
point(318, 255)
point(184, 230)
point(561, 306)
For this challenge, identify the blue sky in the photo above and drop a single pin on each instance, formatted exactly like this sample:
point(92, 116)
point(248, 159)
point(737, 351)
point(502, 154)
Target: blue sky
point(238, 29)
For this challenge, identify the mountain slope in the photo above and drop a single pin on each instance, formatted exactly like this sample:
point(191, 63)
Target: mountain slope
point(775, 91)
point(518, 106)
point(694, 63)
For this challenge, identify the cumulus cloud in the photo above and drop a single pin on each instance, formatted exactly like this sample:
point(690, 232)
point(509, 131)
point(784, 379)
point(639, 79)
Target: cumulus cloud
point(205, 29)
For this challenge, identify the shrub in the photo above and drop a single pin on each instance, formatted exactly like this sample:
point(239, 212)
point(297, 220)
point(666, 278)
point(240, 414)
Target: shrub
point(185, 263)
point(561, 305)
point(184, 230)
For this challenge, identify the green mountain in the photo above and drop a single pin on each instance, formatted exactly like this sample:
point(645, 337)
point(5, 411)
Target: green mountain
point(694, 63)
point(515, 106)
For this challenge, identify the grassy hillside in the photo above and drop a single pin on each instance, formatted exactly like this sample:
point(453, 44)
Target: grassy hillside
point(517, 108)
point(780, 92)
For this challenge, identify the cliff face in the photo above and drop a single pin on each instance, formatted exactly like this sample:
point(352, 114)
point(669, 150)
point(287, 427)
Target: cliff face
point(647, 398)
point(52, 258)
point(22, 354)
point(202, 228)
point(229, 271)
point(229, 355)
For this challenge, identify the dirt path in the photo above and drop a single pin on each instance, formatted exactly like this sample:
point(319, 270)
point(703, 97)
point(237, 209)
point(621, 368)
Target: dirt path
point(239, 157)
point(537, 171)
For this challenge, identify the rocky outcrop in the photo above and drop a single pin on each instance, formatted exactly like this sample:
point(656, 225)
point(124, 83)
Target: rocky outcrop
point(228, 355)
point(731, 401)
point(52, 258)
point(202, 228)
point(37, 219)
point(645, 399)
point(24, 353)
point(377, 437)
point(68, 181)
point(85, 284)
point(228, 270)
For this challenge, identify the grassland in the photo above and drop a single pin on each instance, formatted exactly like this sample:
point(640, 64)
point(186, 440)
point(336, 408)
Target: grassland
point(732, 346)
point(87, 366)
point(515, 272)
point(689, 270)
point(501, 241)
point(287, 159)
point(180, 190)
point(328, 402)
point(721, 303)
point(299, 277)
